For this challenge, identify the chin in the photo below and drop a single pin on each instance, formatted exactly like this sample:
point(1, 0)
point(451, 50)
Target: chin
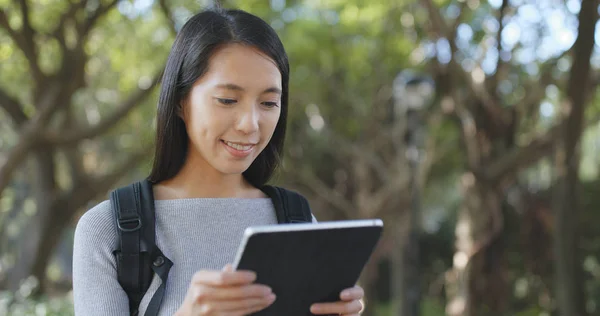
point(231, 170)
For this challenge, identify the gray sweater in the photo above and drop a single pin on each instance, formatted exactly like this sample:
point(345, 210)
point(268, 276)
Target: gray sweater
point(196, 234)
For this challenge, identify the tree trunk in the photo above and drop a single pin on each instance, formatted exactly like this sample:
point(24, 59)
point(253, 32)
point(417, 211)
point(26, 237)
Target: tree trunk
point(40, 139)
point(7, 244)
point(568, 279)
point(26, 246)
point(477, 284)
point(398, 268)
point(31, 235)
point(50, 237)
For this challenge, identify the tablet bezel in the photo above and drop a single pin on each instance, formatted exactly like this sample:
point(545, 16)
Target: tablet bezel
point(254, 230)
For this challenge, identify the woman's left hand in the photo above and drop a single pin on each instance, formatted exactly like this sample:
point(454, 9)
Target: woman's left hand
point(350, 304)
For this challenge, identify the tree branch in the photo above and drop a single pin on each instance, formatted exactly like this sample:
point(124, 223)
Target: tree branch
point(167, 12)
point(454, 27)
point(434, 151)
point(524, 156)
point(5, 25)
point(322, 190)
point(90, 187)
point(89, 22)
point(29, 136)
point(13, 108)
point(72, 154)
point(529, 105)
point(452, 103)
point(477, 90)
point(59, 31)
point(76, 135)
point(27, 31)
point(469, 131)
point(499, 62)
point(24, 40)
point(396, 185)
point(356, 151)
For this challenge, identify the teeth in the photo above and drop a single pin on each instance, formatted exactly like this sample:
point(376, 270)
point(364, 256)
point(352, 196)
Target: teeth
point(238, 146)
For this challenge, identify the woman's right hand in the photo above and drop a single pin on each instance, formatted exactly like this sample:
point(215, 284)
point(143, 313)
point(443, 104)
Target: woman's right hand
point(226, 292)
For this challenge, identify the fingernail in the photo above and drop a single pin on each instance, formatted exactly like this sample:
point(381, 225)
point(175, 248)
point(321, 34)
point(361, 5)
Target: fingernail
point(345, 294)
point(249, 275)
point(228, 267)
point(272, 297)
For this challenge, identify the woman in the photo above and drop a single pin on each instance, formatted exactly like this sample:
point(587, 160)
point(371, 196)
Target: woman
point(220, 128)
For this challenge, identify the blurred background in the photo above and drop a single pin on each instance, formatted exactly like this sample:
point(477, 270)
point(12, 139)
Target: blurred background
point(470, 127)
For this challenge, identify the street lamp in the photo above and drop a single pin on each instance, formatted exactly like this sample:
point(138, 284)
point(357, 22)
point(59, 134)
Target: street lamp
point(412, 94)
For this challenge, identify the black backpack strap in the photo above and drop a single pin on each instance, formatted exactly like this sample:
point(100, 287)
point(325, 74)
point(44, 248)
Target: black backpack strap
point(127, 209)
point(137, 256)
point(290, 206)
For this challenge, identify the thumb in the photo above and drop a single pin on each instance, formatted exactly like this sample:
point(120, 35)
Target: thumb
point(228, 268)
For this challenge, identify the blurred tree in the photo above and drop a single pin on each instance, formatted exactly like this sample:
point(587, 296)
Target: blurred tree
point(500, 135)
point(70, 72)
point(568, 290)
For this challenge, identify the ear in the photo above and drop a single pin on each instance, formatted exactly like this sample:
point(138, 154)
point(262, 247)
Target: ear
point(181, 109)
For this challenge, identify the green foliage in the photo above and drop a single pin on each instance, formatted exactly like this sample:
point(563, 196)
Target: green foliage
point(43, 306)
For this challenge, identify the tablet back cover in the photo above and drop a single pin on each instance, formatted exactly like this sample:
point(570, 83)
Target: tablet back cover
point(306, 267)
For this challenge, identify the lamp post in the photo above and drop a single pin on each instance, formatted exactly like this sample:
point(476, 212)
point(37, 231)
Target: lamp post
point(412, 94)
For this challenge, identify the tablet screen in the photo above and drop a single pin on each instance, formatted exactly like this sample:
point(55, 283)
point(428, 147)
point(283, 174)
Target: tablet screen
point(307, 263)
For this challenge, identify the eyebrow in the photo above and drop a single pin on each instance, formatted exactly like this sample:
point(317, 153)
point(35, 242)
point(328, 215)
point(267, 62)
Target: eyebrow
point(231, 86)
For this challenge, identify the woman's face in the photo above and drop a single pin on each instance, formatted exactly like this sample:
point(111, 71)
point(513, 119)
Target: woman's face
point(232, 110)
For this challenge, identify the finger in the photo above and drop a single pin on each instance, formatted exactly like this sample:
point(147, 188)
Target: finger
point(208, 293)
point(234, 307)
point(342, 308)
point(353, 293)
point(228, 267)
point(223, 278)
point(254, 305)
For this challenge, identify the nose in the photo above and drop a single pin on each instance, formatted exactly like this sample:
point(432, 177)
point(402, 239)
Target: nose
point(248, 117)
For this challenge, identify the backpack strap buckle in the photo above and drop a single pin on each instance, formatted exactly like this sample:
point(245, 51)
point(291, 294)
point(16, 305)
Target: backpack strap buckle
point(123, 224)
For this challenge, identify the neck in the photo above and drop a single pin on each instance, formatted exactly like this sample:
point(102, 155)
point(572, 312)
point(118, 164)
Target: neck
point(197, 179)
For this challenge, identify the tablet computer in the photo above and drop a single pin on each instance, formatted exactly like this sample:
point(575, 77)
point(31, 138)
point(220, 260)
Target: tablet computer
point(307, 263)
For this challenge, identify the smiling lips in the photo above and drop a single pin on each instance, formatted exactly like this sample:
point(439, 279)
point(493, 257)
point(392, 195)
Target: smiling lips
point(240, 150)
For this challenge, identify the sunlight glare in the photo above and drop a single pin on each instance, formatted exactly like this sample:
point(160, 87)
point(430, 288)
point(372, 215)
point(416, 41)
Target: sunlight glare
point(547, 109)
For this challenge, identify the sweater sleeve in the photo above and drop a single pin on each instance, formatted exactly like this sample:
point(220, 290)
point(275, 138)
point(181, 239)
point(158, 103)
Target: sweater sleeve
point(96, 290)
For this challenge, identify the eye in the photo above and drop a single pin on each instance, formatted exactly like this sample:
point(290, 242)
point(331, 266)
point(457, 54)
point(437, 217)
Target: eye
point(270, 104)
point(226, 101)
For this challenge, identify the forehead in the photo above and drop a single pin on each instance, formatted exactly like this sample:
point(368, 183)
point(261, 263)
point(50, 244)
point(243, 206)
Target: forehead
point(242, 65)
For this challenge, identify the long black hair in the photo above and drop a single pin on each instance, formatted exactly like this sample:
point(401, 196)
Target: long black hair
point(188, 61)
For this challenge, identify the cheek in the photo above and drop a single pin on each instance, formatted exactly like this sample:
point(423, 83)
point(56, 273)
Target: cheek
point(268, 128)
point(270, 121)
point(200, 121)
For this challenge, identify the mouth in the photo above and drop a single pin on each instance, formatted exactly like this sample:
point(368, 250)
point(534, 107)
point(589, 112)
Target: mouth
point(238, 149)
